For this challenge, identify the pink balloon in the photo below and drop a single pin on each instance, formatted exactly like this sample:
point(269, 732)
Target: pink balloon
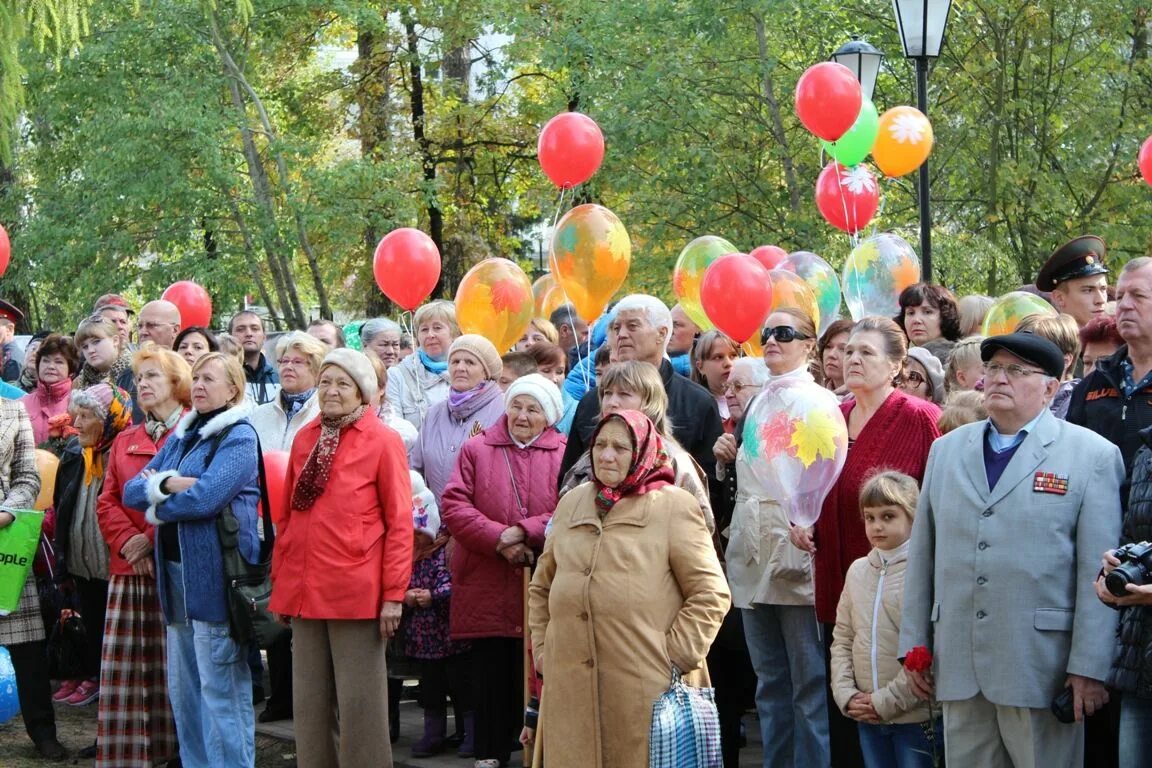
point(570, 149)
point(769, 255)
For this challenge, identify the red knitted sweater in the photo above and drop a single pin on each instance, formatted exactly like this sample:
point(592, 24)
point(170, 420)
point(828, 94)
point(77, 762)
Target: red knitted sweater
point(897, 437)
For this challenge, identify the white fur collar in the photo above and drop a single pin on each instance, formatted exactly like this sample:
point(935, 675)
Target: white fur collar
point(216, 423)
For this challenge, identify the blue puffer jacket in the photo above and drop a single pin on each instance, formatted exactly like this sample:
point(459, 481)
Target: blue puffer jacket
point(230, 479)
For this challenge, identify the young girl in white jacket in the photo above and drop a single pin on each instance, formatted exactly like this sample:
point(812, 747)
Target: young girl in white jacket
point(868, 682)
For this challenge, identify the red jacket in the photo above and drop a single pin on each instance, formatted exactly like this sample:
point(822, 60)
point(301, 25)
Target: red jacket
point(898, 436)
point(131, 451)
point(478, 504)
point(352, 551)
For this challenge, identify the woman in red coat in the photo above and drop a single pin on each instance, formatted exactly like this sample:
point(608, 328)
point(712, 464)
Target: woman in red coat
point(496, 507)
point(887, 430)
point(134, 727)
point(341, 566)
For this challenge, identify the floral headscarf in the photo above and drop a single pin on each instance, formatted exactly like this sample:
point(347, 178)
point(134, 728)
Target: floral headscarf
point(114, 407)
point(651, 467)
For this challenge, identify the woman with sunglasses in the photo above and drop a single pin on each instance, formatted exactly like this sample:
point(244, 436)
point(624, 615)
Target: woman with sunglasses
point(771, 580)
point(887, 430)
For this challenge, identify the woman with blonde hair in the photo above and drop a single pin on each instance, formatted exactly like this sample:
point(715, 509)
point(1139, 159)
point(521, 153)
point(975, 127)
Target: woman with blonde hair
point(208, 465)
point(973, 309)
point(421, 380)
point(133, 690)
point(637, 386)
point(105, 357)
point(540, 330)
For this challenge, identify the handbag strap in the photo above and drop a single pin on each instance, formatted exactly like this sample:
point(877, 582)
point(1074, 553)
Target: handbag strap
point(269, 539)
point(512, 476)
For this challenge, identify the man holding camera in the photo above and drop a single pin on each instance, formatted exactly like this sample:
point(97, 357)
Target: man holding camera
point(1013, 514)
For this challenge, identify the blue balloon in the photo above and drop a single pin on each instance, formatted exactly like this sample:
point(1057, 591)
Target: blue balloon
point(9, 701)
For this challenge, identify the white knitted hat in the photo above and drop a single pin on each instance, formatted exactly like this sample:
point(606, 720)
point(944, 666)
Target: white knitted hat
point(356, 365)
point(545, 392)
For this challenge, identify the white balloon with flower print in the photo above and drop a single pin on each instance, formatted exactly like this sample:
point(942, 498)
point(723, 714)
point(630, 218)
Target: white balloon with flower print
point(795, 442)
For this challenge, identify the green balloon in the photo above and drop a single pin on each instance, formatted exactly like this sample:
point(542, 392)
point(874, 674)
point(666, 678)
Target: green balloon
point(851, 148)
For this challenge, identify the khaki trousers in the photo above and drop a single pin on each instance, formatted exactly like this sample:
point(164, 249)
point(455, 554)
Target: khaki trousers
point(339, 694)
point(980, 733)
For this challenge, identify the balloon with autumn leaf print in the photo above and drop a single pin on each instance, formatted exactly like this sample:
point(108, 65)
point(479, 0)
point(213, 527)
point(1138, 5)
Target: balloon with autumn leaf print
point(822, 279)
point(875, 274)
point(795, 443)
point(591, 255)
point(495, 300)
point(688, 274)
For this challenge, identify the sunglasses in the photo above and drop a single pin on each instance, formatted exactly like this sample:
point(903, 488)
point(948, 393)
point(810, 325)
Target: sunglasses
point(783, 334)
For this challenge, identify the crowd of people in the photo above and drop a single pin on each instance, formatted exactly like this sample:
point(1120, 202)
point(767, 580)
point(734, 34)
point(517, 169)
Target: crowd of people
point(544, 536)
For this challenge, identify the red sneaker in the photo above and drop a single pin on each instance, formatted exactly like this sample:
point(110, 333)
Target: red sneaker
point(66, 689)
point(85, 693)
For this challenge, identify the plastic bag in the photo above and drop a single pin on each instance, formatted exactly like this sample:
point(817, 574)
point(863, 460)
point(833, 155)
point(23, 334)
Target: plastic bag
point(18, 543)
point(685, 730)
point(9, 700)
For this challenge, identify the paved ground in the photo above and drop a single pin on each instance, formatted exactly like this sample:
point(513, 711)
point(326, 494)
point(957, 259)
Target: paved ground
point(274, 741)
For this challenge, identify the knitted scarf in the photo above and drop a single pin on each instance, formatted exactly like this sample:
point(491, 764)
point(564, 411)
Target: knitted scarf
point(314, 477)
point(27, 381)
point(435, 366)
point(462, 405)
point(89, 376)
point(651, 467)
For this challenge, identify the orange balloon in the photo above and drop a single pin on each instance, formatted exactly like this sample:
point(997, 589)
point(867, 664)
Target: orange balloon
point(753, 347)
point(591, 255)
point(550, 302)
point(46, 465)
point(540, 288)
point(789, 290)
point(495, 300)
point(904, 141)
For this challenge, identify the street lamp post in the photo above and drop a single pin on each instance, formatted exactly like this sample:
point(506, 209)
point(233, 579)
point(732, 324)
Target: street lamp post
point(921, 24)
point(864, 61)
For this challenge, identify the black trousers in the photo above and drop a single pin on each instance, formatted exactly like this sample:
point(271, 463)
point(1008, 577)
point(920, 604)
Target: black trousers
point(735, 682)
point(498, 695)
point(280, 676)
point(842, 732)
point(441, 678)
point(92, 599)
point(34, 690)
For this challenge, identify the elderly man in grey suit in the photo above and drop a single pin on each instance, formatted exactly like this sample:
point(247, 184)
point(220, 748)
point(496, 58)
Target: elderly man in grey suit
point(1004, 553)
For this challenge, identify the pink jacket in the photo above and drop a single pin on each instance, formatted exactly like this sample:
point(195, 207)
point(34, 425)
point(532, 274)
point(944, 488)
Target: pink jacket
point(478, 504)
point(44, 402)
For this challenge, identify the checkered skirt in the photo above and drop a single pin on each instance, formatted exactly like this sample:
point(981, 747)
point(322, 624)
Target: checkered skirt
point(24, 625)
point(134, 727)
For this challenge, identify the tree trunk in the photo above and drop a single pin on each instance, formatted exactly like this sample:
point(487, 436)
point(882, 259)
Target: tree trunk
point(777, 121)
point(424, 146)
point(373, 96)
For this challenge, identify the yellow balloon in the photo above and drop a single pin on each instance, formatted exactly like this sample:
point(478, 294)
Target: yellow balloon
point(789, 290)
point(46, 465)
point(591, 255)
point(904, 141)
point(495, 300)
point(752, 347)
point(540, 289)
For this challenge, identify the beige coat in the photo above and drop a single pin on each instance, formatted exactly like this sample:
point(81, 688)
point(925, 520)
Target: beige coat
point(864, 653)
point(613, 605)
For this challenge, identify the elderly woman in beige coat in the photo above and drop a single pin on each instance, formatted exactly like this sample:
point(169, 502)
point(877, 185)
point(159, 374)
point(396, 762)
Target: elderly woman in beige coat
point(628, 586)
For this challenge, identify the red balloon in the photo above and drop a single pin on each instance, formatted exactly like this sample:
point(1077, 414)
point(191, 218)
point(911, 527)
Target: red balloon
point(736, 294)
point(847, 197)
point(1145, 171)
point(5, 250)
point(769, 255)
point(570, 148)
point(276, 475)
point(828, 99)
point(193, 301)
point(406, 266)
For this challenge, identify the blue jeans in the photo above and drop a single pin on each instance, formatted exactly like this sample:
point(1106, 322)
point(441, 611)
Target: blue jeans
point(788, 656)
point(210, 687)
point(1135, 730)
point(900, 745)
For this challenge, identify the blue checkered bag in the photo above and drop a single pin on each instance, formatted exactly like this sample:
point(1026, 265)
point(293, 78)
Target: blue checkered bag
point(685, 729)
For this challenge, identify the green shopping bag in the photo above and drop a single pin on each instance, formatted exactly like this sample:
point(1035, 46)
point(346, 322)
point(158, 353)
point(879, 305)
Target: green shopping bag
point(18, 543)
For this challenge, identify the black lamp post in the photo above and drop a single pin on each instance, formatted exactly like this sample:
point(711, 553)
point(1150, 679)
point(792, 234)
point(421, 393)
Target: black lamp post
point(864, 61)
point(921, 24)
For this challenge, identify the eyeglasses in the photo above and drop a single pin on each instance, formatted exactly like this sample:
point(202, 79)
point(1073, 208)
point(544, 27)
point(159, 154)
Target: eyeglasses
point(783, 334)
point(913, 378)
point(150, 326)
point(1014, 372)
point(294, 362)
point(738, 386)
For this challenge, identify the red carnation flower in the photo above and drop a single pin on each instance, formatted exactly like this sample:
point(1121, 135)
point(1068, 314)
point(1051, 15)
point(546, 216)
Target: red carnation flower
point(919, 659)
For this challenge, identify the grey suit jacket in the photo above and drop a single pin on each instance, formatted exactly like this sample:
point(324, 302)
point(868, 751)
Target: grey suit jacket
point(1000, 583)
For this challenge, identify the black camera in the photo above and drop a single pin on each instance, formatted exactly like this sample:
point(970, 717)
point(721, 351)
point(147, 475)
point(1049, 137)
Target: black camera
point(1135, 568)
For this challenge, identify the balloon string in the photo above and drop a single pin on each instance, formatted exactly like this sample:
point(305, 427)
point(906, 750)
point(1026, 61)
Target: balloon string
point(883, 202)
point(844, 202)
